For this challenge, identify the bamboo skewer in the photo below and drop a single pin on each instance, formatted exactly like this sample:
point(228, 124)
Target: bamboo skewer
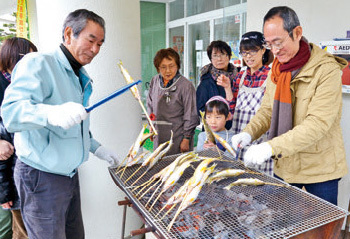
point(170, 209)
point(174, 218)
point(139, 178)
point(147, 192)
point(160, 194)
point(144, 185)
point(148, 183)
point(133, 174)
point(118, 169)
point(153, 195)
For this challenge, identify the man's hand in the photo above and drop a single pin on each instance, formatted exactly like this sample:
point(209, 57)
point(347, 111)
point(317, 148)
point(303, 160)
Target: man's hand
point(6, 149)
point(257, 154)
point(185, 145)
point(105, 154)
point(241, 140)
point(66, 115)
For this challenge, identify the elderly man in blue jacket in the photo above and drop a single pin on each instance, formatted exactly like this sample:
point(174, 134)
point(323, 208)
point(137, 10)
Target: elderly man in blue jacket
point(45, 107)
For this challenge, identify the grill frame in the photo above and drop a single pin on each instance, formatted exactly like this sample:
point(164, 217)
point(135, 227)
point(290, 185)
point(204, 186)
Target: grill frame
point(258, 194)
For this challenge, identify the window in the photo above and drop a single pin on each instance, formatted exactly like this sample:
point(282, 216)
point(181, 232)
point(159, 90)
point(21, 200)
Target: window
point(193, 24)
point(176, 41)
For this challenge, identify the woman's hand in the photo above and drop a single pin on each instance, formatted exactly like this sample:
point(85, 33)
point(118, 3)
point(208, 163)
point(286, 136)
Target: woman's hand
point(6, 150)
point(185, 145)
point(225, 82)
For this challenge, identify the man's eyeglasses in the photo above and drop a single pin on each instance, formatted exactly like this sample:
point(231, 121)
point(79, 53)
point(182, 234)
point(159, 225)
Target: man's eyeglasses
point(246, 53)
point(218, 56)
point(278, 45)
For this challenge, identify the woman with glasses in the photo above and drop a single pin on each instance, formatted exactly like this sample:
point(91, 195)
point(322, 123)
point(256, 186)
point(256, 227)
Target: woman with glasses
point(12, 50)
point(171, 102)
point(249, 86)
point(219, 53)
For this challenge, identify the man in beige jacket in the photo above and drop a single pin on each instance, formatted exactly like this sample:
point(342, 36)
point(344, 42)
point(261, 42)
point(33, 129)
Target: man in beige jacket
point(301, 109)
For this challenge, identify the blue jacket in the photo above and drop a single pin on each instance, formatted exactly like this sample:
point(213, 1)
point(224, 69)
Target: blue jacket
point(38, 81)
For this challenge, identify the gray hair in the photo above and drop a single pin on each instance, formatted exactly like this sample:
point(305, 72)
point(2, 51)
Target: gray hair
point(290, 18)
point(77, 20)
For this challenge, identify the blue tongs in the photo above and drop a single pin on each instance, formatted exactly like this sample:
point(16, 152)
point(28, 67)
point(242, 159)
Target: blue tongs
point(111, 96)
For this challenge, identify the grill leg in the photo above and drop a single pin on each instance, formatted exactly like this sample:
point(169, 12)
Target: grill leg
point(123, 223)
point(346, 232)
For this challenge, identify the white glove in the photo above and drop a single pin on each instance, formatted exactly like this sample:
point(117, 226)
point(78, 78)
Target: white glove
point(66, 115)
point(108, 155)
point(257, 154)
point(241, 140)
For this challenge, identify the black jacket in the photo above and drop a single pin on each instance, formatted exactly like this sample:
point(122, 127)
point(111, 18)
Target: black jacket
point(206, 89)
point(7, 186)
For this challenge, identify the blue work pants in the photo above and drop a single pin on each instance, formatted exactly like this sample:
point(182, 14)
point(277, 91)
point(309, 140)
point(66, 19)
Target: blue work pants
point(327, 190)
point(50, 203)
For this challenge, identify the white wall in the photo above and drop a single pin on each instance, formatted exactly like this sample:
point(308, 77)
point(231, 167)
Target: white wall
point(115, 124)
point(322, 20)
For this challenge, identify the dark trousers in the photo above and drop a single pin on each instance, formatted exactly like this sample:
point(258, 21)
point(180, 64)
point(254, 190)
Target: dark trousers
point(326, 190)
point(50, 203)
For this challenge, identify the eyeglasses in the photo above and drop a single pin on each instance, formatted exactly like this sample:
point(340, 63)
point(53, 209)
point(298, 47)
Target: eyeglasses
point(246, 53)
point(165, 68)
point(218, 56)
point(277, 45)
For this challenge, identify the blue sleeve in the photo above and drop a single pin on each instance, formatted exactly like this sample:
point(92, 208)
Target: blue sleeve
point(201, 140)
point(94, 144)
point(202, 96)
point(23, 107)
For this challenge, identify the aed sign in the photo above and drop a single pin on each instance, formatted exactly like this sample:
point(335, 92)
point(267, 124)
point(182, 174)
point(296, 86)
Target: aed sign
point(339, 49)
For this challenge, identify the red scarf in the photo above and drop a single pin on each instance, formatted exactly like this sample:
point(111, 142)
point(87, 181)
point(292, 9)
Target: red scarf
point(281, 119)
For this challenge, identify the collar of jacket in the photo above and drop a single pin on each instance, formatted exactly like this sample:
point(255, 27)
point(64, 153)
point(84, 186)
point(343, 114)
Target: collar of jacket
point(318, 57)
point(64, 61)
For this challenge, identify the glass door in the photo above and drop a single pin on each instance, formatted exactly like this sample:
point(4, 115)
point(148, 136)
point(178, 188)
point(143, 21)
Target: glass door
point(199, 39)
point(176, 41)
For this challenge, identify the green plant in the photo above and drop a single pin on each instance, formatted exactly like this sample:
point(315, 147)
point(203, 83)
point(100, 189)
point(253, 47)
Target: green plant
point(7, 30)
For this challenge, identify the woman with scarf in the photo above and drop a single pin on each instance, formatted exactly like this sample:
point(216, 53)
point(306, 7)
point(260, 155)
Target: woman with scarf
point(171, 102)
point(249, 86)
point(219, 53)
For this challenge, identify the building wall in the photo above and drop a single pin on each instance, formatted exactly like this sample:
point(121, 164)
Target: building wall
point(115, 124)
point(321, 21)
point(152, 39)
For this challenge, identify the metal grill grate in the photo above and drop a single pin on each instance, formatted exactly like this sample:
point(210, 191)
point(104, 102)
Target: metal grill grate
point(242, 212)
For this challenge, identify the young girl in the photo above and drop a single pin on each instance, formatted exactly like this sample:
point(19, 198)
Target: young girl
point(216, 114)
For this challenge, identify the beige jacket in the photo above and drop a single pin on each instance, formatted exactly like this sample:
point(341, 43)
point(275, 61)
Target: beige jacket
point(313, 151)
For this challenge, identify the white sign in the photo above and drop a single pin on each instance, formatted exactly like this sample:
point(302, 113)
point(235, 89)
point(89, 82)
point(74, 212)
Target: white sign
point(199, 45)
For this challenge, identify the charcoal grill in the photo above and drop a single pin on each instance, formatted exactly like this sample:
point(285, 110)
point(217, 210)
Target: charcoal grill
point(242, 212)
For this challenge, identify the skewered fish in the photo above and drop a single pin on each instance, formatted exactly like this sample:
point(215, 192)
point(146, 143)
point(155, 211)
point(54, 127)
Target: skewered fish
point(226, 145)
point(252, 182)
point(208, 132)
point(230, 172)
point(192, 195)
point(136, 94)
